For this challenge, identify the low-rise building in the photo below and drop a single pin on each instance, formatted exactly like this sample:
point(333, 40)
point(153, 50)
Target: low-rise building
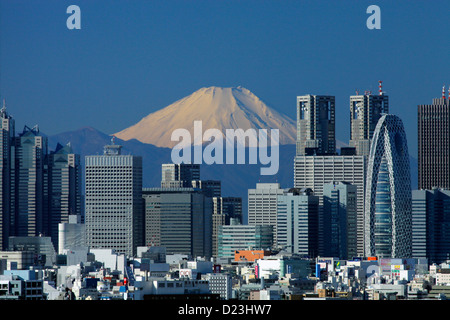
point(21, 285)
point(221, 284)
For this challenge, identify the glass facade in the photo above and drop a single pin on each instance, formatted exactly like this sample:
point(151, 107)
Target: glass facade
point(388, 214)
point(383, 213)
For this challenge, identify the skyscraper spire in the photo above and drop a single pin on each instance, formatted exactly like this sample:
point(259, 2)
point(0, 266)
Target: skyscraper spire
point(3, 110)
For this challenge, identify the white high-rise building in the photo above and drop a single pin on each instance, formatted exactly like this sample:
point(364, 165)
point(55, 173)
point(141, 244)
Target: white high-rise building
point(114, 213)
point(315, 171)
point(262, 205)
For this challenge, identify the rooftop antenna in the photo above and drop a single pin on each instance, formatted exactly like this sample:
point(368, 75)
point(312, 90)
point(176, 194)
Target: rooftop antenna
point(448, 92)
point(443, 91)
point(357, 92)
point(4, 105)
point(379, 87)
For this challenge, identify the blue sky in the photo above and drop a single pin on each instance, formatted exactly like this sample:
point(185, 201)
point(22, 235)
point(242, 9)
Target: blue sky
point(133, 57)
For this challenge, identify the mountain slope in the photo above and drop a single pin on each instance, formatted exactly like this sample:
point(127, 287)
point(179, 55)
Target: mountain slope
point(90, 141)
point(217, 108)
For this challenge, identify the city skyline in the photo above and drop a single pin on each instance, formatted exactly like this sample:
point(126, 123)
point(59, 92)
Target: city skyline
point(100, 198)
point(157, 53)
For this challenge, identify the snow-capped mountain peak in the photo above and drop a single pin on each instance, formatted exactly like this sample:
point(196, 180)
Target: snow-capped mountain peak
point(217, 108)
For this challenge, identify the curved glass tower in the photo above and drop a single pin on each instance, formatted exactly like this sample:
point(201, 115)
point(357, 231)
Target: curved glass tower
point(388, 212)
point(383, 212)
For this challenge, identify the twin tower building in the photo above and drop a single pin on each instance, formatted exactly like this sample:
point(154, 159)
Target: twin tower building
point(376, 166)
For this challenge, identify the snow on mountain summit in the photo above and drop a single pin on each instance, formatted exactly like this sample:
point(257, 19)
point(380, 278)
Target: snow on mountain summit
point(217, 108)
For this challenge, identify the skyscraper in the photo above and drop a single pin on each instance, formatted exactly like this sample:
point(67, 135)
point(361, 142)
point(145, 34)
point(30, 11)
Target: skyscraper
point(179, 219)
point(262, 205)
point(431, 225)
point(38, 190)
point(7, 132)
point(365, 111)
point(433, 122)
point(114, 213)
point(388, 192)
point(297, 222)
point(64, 177)
point(316, 125)
point(31, 185)
point(315, 171)
point(340, 219)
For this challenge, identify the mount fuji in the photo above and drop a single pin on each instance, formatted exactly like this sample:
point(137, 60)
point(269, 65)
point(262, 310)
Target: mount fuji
point(217, 108)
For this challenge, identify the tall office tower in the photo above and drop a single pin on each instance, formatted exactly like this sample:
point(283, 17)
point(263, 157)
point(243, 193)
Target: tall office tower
point(297, 222)
point(315, 171)
point(365, 110)
point(316, 125)
point(179, 175)
point(179, 219)
point(388, 192)
point(114, 213)
point(340, 224)
point(433, 122)
point(262, 205)
point(30, 183)
point(7, 132)
point(226, 211)
point(64, 177)
point(431, 225)
point(243, 237)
